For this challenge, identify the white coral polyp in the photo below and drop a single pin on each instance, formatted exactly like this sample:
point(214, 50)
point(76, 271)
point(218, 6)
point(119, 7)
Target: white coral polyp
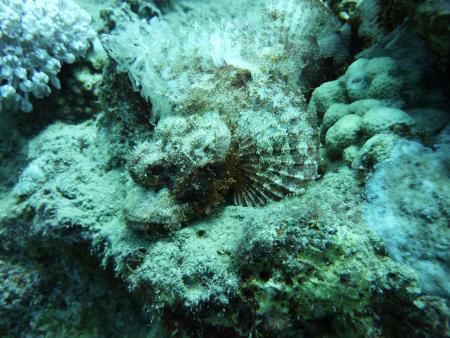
point(36, 36)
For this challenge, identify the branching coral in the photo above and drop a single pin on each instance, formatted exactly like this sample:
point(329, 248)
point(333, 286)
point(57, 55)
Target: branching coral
point(36, 38)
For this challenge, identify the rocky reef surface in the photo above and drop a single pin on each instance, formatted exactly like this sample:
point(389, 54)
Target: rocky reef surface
point(245, 168)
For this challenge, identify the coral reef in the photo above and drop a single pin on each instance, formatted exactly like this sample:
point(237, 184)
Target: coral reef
point(77, 100)
point(63, 296)
point(230, 169)
point(37, 37)
point(53, 284)
point(365, 102)
point(408, 203)
point(230, 264)
point(17, 289)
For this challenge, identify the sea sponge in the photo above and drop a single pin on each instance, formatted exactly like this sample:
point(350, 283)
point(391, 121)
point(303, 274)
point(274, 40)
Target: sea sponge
point(343, 133)
point(387, 120)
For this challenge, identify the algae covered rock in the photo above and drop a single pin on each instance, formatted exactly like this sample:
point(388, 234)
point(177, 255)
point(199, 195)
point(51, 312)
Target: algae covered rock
point(19, 283)
point(408, 204)
point(429, 122)
point(232, 272)
point(295, 273)
point(374, 19)
point(229, 272)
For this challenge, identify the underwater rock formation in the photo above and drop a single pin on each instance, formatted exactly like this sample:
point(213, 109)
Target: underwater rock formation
point(377, 18)
point(192, 203)
point(230, 272)
point(408, 204)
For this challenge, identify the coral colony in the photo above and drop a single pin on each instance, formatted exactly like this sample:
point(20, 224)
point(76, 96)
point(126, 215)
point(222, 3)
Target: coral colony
point(242, 168)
